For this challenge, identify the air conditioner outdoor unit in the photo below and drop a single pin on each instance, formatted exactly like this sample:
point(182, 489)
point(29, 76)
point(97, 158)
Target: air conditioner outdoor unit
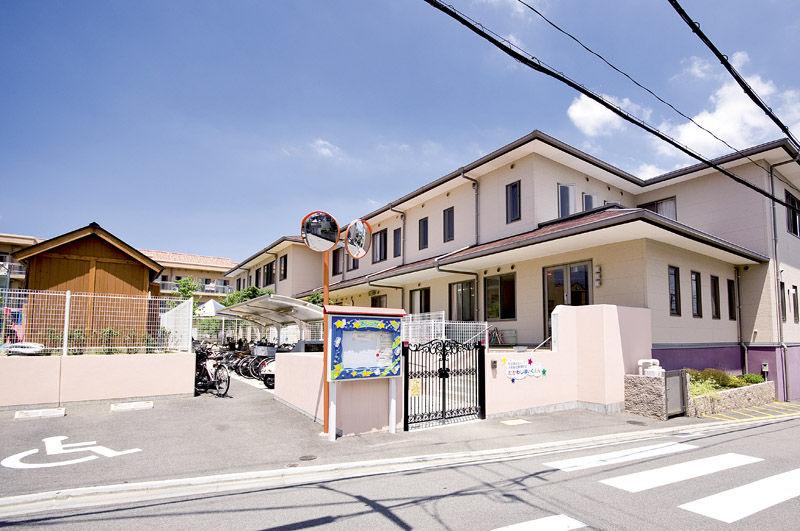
point(372, 292)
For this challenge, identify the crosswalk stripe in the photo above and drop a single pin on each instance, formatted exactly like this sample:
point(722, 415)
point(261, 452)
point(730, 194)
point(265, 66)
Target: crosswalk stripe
point(674, 473)
point(558, 522)
point(621, 456)
point(735, 504)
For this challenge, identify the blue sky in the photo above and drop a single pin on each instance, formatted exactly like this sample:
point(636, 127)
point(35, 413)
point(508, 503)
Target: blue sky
point(213, 127)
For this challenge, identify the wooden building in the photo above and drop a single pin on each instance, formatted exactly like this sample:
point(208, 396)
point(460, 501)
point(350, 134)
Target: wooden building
point(88, 260)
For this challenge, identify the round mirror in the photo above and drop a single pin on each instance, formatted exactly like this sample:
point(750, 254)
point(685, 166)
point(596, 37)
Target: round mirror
point(357, 240)
point(320, 231)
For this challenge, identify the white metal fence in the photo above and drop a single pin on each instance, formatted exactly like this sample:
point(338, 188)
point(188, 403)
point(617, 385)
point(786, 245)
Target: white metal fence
point(422, 328)
point(220, 329)
point(58, 322)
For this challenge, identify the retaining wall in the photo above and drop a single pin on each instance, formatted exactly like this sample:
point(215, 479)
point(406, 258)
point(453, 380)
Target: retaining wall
point(752, 395)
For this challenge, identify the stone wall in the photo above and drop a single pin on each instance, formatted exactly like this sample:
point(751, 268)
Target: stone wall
point(752, 395)
point(646, 396)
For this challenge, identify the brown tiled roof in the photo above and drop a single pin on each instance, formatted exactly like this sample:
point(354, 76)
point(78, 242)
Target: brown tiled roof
point(195, 259)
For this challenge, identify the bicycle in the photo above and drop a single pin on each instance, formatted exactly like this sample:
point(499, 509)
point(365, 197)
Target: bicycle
point(210, 373)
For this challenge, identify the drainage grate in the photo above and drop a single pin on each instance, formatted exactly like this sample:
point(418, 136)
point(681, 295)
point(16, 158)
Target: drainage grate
point(307, 457)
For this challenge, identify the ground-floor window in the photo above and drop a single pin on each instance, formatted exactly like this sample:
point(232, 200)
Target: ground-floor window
point(462, 301)
point(500, 297)
point(674, 290)
point(378, 301)
point(420, 300)
point(569, 284)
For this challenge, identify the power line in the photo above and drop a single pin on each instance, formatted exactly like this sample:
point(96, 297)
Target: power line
point(529, 60)
point(695, 26)
point(634, 81)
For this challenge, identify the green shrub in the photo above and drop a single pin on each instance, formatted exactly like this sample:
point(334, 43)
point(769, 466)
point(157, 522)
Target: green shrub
point(702, 387)
point(752, 378)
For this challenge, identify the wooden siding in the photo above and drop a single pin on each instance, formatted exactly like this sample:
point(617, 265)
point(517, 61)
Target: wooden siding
point(88, 265)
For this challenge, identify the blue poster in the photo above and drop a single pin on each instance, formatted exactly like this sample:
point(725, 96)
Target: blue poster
point(364, 347)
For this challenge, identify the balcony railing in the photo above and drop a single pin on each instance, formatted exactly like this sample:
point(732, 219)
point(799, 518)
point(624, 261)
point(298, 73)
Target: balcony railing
point(12, 268)
point(206, 289)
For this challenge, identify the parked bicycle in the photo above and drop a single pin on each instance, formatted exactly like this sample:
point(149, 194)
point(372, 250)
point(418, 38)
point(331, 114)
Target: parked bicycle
point(210, 373)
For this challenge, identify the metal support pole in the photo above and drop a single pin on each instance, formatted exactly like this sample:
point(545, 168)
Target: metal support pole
point(326, 264)
point(65, 340)
point(331, 430)
point(392, 405)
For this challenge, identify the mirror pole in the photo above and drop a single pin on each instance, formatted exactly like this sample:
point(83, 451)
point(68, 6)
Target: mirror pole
point(326, 264)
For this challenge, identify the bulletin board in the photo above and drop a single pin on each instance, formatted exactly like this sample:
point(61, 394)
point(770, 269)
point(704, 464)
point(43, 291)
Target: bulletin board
point(363, 347)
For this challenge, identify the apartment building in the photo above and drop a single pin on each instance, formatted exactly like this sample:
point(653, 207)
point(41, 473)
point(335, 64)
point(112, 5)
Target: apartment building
point(538, 223)
point(12, 273)
point(208, 271)
point(286, 266)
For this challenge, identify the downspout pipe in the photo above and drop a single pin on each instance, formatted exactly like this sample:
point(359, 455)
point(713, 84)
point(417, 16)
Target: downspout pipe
point(476, 187)
point(777, 268)
point(401, 288)
point(440, 270)
point(739, 330)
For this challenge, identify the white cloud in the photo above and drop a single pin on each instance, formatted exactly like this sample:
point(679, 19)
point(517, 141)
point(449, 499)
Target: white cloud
point(326, 149)
point(595, 120)
point(733, 117)
point(516, 8)
point(646, 171)
point(739, 59)
point(697, 67)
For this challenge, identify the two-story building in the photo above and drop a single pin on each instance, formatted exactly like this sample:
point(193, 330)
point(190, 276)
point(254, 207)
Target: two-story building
point(208, 271)
point(538, 223)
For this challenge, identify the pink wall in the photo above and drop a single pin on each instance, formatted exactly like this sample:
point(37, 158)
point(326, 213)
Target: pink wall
point(86, 378)
point(597, 346)
point(361, 406)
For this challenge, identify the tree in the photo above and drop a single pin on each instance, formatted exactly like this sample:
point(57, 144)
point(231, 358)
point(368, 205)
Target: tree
point(186, 287)
point(245, 295)
point(316, 298)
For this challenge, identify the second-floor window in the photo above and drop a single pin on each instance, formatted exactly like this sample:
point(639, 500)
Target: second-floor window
point(423, 233)
point(665, 207)
point(674, 290)
point(715, 297)
point(398, 242)
point(793, 214)
point(336, 261)
point(449, 224)
point(379, 246)
point(352, 263)
point(590, 201)
point(513, 206)
point(566, 200)
point(697, 297)
point(269, 273)
point(258, 277)
point(283, 262)
point(731, 300)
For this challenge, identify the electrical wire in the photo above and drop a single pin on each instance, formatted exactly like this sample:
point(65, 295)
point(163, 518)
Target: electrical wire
point(695, 26)
point(529, 60)
point(635, 82)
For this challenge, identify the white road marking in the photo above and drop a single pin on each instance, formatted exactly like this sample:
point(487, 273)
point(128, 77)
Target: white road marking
point(132, 406)
point(735, 504)
point(258, 384)
point(40, 413)
point(55, 446)
point(558, 522)
point(621, 456)
point(674, 473)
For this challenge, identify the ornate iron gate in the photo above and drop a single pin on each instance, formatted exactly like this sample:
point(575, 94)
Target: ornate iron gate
point(444, 382)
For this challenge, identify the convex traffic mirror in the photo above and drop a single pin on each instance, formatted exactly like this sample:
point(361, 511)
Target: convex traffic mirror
point(357, 239)
point(320, 231)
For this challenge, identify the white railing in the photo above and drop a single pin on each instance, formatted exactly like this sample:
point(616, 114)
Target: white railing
point(416, 329)
point(57, 322)
point(204, 288)
point(11, 268)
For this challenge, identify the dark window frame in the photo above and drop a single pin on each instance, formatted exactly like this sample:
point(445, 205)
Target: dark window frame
point(423, 233)
point(795, 302)
point(513, 199)
point(352, 263)
point(674, 289)
point(397, 239)
point(792, 216)
point(455, 313)
point(283, 267)
point(697, 294)
point(731, 300)
point(783, 301)
point(379, 246)
point(715, 311)
point(258, 277)
point(424, 300)
point(448, 224)
point(269, 274)
point(336, 261)
point(501, 303)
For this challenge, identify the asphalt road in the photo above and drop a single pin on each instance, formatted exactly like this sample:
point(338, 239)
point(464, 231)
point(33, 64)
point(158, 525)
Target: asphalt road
point(750, 469)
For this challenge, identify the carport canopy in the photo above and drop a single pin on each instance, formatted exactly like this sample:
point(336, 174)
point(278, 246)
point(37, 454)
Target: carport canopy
point(274, 310)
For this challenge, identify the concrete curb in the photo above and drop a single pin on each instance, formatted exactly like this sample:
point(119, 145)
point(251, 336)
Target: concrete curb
point(153, 490)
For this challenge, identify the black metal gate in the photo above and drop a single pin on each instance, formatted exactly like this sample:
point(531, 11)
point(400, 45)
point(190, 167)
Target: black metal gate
point(444, 382)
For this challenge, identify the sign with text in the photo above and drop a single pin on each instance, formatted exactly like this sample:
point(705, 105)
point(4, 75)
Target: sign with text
point(363, 346)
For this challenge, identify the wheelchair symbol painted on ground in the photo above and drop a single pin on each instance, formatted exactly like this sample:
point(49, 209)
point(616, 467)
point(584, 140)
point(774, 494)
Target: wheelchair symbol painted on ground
point(56, 446)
